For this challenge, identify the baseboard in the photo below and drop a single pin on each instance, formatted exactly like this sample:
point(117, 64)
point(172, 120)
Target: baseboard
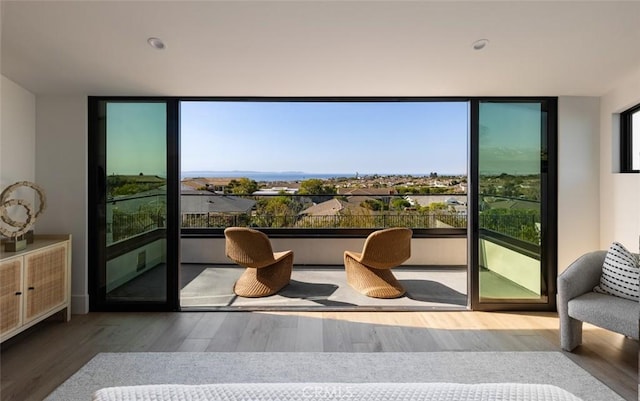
point(80, 304)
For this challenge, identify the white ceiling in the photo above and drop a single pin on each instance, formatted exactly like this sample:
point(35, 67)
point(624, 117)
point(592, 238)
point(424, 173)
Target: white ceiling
point(320, 48)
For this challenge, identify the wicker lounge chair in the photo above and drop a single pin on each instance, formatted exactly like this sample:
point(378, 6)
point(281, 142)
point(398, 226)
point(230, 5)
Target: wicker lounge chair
point(369, 272)
point(267, 271)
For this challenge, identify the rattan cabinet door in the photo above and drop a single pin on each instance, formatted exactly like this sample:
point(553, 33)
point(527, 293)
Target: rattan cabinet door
point(10, 295)
point(45, 280)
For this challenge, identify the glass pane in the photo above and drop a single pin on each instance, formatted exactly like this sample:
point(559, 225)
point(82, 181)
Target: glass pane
point(509, 194)
point(136, 201)
point(635, 141)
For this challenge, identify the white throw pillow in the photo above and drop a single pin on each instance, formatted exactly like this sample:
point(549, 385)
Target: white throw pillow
point(620, 273)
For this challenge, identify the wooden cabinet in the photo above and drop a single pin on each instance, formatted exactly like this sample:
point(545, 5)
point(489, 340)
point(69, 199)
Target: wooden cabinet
point(35, 283)
point(10, 295)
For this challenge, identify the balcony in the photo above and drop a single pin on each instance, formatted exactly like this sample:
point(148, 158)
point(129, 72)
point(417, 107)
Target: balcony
point(435, 276)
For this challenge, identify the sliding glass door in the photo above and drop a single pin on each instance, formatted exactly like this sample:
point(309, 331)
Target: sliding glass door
point(513, 231)
point(510, 210)
point(135, 221)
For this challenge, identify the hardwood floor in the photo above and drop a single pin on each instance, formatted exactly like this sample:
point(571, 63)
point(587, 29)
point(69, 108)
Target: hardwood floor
point(35, 362)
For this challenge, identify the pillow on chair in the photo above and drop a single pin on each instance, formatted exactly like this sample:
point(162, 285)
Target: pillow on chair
point(620, 273)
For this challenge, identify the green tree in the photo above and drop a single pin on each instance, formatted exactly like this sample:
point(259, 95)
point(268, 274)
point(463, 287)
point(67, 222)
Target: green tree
point(510, 190)
point(440, 190)
point(241, 186)
point(148, 217)
point(374, 204)
point(408, 190)
point(516, 223)
point(490, 190)
point(119, 186)
point(400, 204)
point(113, 183)
point(277, 211)
point(349, 218)
point(437, 206)
point(316, 186)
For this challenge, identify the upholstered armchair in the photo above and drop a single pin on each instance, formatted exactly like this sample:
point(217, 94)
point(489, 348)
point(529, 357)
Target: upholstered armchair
point(267, 271)
point(369, 272)
point(577, 303)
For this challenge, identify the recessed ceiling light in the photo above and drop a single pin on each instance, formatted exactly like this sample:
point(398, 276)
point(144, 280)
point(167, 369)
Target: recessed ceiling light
point(480, 44)
point(156, 43)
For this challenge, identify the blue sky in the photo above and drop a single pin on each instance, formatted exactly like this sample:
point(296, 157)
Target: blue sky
point(339, 138)
point(137, 135)
point(325, 137)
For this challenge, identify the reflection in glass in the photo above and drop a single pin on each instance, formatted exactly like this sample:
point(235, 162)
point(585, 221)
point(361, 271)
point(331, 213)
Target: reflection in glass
point(635, 141)
point(136, 201)
point(510, 150)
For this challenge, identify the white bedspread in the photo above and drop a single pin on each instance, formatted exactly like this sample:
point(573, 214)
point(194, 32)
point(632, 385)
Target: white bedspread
point(337, 391)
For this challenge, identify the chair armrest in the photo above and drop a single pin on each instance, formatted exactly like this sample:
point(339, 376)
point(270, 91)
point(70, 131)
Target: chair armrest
point(581, 276)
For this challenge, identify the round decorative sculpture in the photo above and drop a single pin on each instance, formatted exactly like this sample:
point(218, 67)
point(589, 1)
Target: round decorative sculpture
point(13, 228)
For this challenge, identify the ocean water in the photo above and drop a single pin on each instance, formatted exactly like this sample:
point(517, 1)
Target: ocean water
point(265, 176)
point(288, 176)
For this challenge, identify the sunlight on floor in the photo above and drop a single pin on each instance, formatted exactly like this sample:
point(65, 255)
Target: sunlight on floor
point(326, 286)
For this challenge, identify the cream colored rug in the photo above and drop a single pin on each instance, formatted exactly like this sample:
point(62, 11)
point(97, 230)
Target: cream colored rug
point(125, 369)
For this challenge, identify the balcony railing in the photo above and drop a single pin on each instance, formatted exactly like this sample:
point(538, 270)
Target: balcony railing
point(129, 217)
point(126, 225)
point(432, 220)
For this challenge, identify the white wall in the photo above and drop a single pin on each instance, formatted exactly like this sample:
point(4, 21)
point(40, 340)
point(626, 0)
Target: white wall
point(124, 268)
point(330, 251)
point(44, 140)
point(619, 193)
point(17, 144)
point(595, 205)
point(578, 178)
point(17, 135)
point(61, 168)
point(512, 265)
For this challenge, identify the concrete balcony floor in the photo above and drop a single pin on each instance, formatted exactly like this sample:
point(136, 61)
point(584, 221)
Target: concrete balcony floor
point(211, 286)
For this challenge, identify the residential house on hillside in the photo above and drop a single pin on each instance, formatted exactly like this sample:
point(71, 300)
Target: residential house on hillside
point(207, 209)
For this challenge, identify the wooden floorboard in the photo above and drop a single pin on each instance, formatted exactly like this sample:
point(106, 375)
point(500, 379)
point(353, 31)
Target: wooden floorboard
point(35, 362)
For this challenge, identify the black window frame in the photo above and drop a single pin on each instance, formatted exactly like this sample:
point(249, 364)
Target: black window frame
point(626, 140)
point(549, 208)
point(332, 232)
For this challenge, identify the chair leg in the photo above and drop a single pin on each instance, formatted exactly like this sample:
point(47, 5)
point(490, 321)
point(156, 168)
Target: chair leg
point(265, 281)
point(375, 283)
point(570, 333)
